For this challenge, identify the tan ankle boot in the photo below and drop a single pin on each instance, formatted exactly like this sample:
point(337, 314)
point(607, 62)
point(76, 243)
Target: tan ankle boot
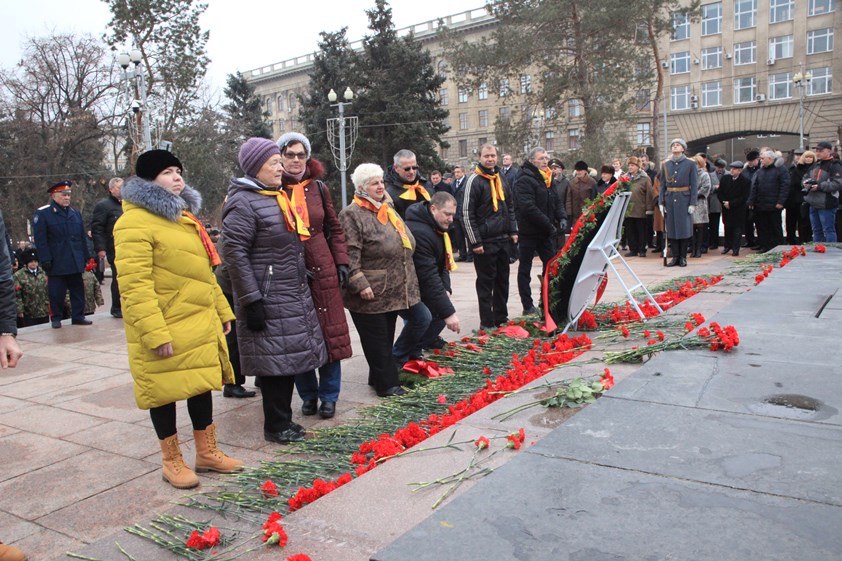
point(9, 553)
point(175, 471)
point(211, 458)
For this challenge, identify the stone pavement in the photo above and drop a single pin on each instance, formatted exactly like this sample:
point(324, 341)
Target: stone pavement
point(79, 462)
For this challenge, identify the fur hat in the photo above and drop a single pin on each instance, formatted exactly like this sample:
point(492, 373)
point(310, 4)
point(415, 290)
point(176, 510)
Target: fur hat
point(254, 152)
point(752, 155)
point(28, 255)
point(152, 162)
point(581, 166)
point(607, 169)
point(679, 141)
point(633, 160)
point(291, 138)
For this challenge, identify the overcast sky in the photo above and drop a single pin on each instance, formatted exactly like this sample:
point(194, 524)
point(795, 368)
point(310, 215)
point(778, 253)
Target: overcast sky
point(244, 34)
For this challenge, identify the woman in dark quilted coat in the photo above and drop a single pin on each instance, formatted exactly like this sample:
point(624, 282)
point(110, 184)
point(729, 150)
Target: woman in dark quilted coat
point(277, 326)
point(326, 256)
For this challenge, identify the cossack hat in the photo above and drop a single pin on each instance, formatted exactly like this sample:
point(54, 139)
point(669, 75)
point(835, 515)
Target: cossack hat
point(633, 160)
point(254, 152)
point(60, 186)
point(151, 163)
point(582, 166)
point(28, 255)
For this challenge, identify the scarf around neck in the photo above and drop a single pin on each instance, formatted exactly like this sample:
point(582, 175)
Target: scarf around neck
point(497, 193)
point(385, 213)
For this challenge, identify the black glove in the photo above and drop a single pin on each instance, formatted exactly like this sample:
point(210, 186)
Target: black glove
point(342, 271)
point(562, 226)
point(255, 316)
point(47, 266)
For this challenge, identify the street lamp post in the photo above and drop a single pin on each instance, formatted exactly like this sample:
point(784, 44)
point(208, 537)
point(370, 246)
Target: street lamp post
point(138, 107)
point(343, 151)
point(801, 82)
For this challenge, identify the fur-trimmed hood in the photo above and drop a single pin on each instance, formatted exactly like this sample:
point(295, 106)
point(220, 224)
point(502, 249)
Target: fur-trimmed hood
point(157, 200)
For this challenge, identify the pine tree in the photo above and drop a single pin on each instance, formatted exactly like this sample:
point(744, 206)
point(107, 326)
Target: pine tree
point(246, 117)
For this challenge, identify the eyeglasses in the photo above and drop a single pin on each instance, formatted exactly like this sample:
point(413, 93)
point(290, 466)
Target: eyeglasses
point(410, 168)
point(295, 155)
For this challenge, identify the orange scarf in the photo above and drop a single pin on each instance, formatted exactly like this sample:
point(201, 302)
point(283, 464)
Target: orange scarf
point(497, 193)
point(412, 190)
point(449, 261)
point(291, 218)
point(206, 241)
point(548, 177)
point(386, 214)
point(299, 202)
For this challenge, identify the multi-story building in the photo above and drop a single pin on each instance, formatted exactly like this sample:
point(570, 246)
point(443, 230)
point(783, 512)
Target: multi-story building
point(744, 73)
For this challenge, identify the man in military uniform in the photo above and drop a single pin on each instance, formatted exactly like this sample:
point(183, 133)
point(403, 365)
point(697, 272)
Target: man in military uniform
point(679, 190)
point(63, 251)
point(33, 303)
point(106, 213)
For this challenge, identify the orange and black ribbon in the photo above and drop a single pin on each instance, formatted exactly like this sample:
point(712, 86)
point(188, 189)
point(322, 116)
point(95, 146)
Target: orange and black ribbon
point(291, 218)
point(386, 214)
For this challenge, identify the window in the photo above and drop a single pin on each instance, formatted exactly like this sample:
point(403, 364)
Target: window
point(781, 10)
point(268, 105)
point(745, 14)
point(443, 96)
point(504, 87)
point(820, 41)
point(550, 113)
point(574, 108)
point(483, 117)
point(680, 62)
point(680, 98)
point(780, 86)
point(443, 153)
point(680, 26)
point(780, 47)
point(291, 101)
point(282, 125)
point(744, 90)
point(549, 141)
point(711, 58)
point(712, 19)
point(820, 84)
point(643, 133)
point(819, 7)
point(642, 99)
point(463, 95)
point(482, 92)
point(711, 94)
point(280, 101)
point(505, 114)
point(745, 53)
point(481, 141)
point(573, 139)
point(446, 122)
point(463, 148)
point(526, 84)
point(443, 69)
point(463, 121)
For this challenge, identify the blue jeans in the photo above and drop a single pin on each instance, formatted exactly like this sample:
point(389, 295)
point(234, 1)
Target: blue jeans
point(416, 321)
point(823, 222)
point(327, 387)
point(430, 337)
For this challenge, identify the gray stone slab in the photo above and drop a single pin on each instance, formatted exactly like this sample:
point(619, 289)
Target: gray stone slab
point(49, 421)
point(767, 455)
point(22, 452)
point(538, 508)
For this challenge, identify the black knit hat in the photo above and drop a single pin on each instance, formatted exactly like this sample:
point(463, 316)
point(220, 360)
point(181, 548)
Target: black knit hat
point(153, 162)
point(581, 166)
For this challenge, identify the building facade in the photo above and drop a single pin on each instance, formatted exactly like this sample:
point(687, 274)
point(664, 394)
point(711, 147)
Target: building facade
point(742, 72)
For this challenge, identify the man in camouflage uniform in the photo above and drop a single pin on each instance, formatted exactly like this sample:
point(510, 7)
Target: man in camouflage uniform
point(33, 301)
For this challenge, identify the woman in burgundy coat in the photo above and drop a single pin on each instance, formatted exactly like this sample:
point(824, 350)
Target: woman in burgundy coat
point(326, 257)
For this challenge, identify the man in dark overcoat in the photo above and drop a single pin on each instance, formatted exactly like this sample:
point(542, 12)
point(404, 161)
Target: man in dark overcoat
point(62, 247)
point(734, 189)
point(679, 190)
point(106, 213)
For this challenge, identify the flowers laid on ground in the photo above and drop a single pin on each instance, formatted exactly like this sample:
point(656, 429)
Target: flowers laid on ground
point(819, 248)
point(206, 539)
point(715, 338)
point(569, 393)
point(273, 532)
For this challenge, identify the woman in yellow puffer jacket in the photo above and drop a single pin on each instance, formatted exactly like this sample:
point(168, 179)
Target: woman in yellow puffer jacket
point(174, 312)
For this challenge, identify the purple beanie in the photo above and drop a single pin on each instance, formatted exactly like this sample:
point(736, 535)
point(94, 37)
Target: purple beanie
point(254, 152)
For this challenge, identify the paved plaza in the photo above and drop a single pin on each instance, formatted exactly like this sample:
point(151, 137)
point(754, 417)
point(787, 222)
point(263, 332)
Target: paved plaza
point(79, 462)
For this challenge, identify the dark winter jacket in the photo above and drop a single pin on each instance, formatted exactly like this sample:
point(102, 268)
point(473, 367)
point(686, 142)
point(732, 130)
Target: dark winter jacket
point(735, 192)
point(796, 175)
point(482, 223)
point(106, 213)
point(641, 202)
point(430, 260)
point(61, 240)
point(539, 208)
point(769, 187)
point(395, 186)
point(8, 313)
point(828, 177)
point(266, 263)
point(322, 257)
point(378, 260)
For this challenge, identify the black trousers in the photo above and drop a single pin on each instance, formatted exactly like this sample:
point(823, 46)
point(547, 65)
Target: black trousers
point(636, 234)
point(459, 239)
point(712, 231)
point(377, 335)
point(234, 347)
point(769, 230)
point(527, 248)
point(115, 287)
point(57, 286)
point(492, 267)
point(733, 229)
point(798, 228)
point(277, 402)
point(200, 408)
